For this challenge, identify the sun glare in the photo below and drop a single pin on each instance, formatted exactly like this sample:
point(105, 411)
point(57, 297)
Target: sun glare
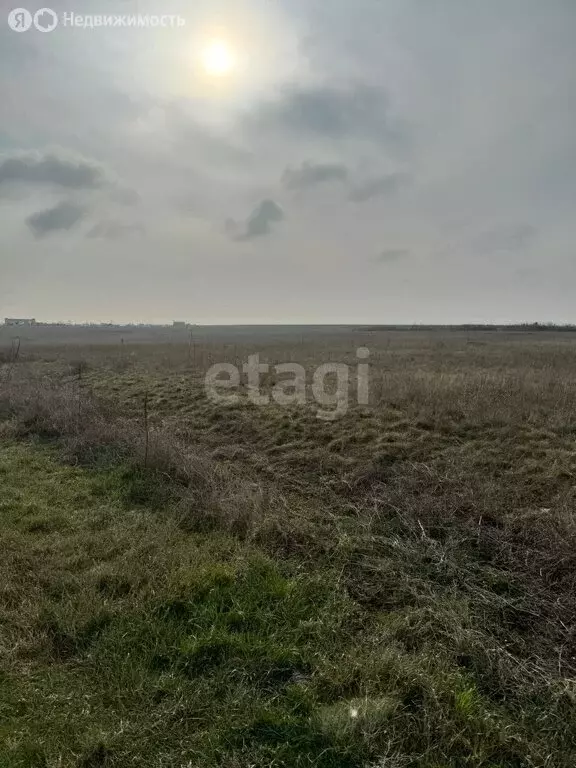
point(217, 58)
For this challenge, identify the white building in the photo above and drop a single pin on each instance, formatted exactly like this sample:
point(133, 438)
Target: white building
point(27, 322)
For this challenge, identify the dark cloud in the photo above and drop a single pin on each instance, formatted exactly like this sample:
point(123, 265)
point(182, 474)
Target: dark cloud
point(380, 186)
point(346, 112)
point(266, 213)
point(506, 238)
point(310, 174)
point(61, 217)
point(61, 170)
point(113, 230)
point(259, 222)
point(390, 255)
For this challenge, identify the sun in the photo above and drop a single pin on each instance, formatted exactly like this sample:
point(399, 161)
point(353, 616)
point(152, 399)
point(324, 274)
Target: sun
point(217, 58)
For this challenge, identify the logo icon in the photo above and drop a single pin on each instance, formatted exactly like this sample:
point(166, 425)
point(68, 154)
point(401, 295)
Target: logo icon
point(45, 20)
point(20, 20)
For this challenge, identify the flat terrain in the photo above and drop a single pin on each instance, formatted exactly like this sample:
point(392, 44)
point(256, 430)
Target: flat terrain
point(189, 583)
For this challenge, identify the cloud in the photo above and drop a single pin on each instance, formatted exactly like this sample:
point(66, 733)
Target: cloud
point(52, 168)
point(310, 174)
point(346, 112)
point(505, 238)
point(61, 217)
point(390, 255)
point(113, 230)
point(442, 91)
point(124, 196)
point(379, 186)
point(266, 213)
point(259, 222)
point(502, 239)
point(63, 171)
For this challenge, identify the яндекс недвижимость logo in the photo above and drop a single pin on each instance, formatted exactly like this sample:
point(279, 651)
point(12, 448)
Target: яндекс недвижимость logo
point(21, 20)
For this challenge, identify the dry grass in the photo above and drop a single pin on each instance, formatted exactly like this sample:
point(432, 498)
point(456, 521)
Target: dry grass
point(444, 510)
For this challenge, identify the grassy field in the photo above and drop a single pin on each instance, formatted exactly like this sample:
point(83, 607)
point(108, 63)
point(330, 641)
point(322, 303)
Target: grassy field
point(186, 583)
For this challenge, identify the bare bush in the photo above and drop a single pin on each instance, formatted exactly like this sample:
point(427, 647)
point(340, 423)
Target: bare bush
point(204, 493)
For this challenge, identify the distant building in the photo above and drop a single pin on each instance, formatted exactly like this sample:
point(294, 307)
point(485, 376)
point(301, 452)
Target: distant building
point(26, 322)
point(179, 324)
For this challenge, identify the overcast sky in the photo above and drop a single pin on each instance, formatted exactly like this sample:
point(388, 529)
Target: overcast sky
point(362, 161)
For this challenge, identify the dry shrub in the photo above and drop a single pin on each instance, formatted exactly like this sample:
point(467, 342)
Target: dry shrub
point(203, 493)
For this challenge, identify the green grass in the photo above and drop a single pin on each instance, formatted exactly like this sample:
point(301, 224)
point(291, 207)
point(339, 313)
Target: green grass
point(128, 642)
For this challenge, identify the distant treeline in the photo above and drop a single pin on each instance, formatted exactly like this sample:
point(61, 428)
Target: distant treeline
point(520, 327)
point(524, 327)
point(99, 325)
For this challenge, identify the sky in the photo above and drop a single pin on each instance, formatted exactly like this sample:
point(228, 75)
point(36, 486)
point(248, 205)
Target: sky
point(350, 161)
